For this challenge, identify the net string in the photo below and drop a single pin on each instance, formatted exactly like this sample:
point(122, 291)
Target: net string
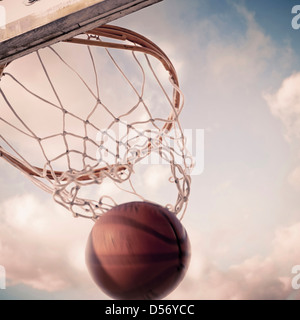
point(65, 185)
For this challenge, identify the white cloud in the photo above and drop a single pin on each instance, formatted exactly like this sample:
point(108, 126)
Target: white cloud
point(285, 105)
point(294, 178)
point(257, 277)
point(244, 57)
point(41, 244)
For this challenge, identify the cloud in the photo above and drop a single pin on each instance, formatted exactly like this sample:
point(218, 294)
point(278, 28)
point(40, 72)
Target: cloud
point(294, 178)
point(258, 277)
point(36, 247)
point(240, 56)
point(285, 105)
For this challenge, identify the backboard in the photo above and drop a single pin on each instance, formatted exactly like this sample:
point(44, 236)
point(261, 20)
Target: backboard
point(46, 22)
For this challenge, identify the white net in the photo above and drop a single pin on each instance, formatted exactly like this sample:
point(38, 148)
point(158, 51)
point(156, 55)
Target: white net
point(85, 122)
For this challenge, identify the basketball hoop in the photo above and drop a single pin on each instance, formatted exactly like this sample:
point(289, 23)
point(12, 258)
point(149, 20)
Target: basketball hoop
point(147, 135)
point(77, 143)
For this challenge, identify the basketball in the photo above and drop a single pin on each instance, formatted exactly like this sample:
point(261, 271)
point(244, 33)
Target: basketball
point(138, 251)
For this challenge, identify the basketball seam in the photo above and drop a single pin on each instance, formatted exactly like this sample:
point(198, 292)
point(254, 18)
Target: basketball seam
point(180, 251)
point(131, 222)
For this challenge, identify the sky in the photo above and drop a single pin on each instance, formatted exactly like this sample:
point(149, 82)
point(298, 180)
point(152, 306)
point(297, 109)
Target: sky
point(239, 69)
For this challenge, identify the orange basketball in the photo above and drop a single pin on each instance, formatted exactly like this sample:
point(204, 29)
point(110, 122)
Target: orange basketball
point(138, 250)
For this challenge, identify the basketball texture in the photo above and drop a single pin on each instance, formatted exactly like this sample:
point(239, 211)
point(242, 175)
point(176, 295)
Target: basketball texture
point(138, 250)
